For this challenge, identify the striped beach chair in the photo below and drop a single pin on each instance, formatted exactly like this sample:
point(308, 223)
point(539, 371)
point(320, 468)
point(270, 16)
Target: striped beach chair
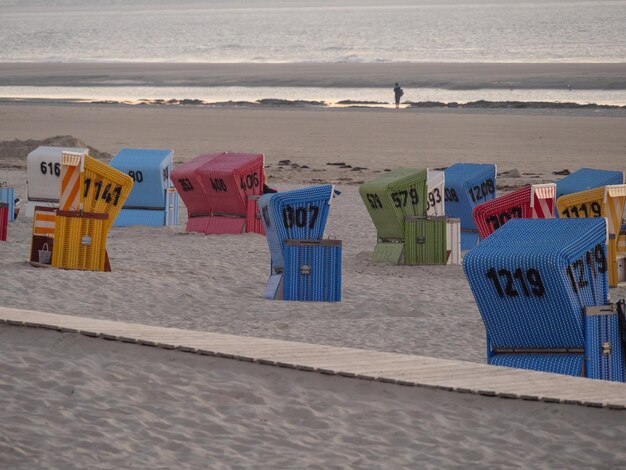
point(153, 200)
point(303, 265)
point(609, 202)
point(541, 287)
point(467, 185)
point(534, 201)
point(92, 195)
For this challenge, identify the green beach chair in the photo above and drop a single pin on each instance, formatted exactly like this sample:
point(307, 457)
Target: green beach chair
point(389, 199)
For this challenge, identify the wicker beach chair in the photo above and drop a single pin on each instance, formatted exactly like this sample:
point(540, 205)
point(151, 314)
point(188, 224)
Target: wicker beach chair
point(303, 266)
point(587, 178)
point(92, 196)
point(541, 288)
point(609, 202)
point(153, 200)
point(221, 192)
point(389, 199)
point(467, 185)
point(534, 201)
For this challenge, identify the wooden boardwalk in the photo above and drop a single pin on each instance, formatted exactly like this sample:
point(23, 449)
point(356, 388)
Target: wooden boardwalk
point(403, 369)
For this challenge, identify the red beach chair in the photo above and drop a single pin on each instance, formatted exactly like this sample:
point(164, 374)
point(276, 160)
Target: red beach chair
point(536, 201)
point(221, 192)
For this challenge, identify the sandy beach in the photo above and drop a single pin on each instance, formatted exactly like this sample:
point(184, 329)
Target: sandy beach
point(76, 401)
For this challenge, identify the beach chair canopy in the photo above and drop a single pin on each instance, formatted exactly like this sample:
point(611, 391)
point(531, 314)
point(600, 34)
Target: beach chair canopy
point(587, 178)
point(532, 279)
point(606, 201)
point(534, 201)
point(150, 170)
point(467, 185)
point(188, 182)
point(43, 174)
point(393, 196)
point(300, 214)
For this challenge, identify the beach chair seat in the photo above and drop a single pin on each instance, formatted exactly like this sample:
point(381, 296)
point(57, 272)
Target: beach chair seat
point(389, 199)
point(303, 266)
point(466, 186)
point(608, 202)
point(534, 281)
point(43, 176)
point(533, 201)
point(153, 200)
point(587, 178)
point(217, 189)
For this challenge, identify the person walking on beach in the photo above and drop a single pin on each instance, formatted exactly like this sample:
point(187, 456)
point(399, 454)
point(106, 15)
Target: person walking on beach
point(397, 91)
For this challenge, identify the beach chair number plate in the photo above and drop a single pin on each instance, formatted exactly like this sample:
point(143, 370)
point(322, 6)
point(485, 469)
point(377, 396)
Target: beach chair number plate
point(479, 192)
point(300, 217)
point(498, 220)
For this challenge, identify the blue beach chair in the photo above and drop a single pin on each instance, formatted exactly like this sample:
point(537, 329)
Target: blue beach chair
point(153, 200)
point(297, 216)
point(541, 287)
point(466, 186)
point(587, 178)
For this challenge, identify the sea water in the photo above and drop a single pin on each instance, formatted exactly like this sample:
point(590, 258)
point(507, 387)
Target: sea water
point(290, 31)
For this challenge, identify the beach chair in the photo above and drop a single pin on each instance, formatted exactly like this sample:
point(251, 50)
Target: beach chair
point(609, 202)
point(389, 199)
point(153, 200)
point(467, 185)
point(541, 289)
point(7, 196)
point(92, 195)
point(43, 176)
point(587, 178)
point(534, 201)
point(399, 203)
point(4, 220)
point(303, 266)
point(221, 192)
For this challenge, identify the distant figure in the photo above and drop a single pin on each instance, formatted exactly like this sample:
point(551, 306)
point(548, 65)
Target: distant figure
point(397, 91)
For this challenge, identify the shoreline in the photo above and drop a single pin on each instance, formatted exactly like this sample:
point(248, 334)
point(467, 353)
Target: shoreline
point(444, 75)
point(274, 103)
